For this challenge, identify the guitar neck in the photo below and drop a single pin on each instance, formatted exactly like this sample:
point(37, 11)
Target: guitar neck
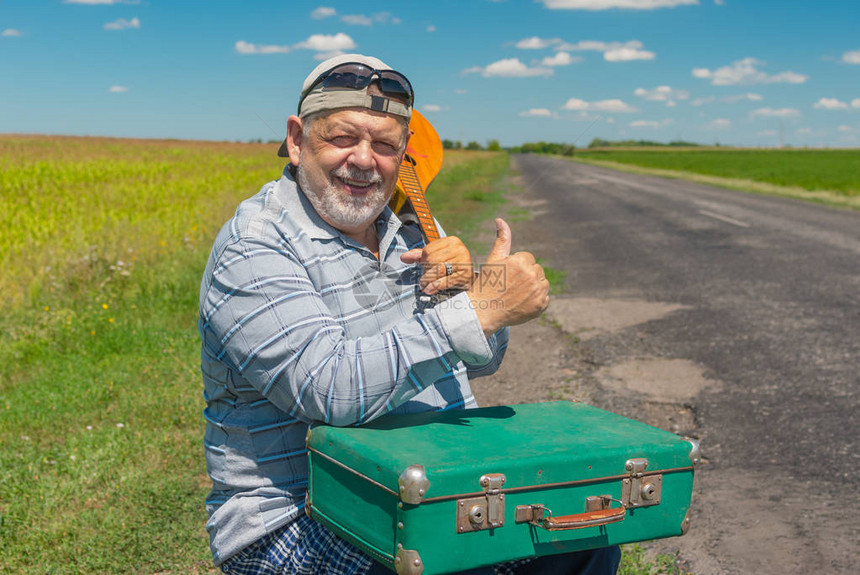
point(412, 186)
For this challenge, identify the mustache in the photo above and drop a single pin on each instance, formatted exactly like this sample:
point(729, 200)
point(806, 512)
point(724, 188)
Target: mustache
point(372, 177)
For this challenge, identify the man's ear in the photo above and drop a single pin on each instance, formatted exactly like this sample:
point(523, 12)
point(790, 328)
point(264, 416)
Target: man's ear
point(295, 135)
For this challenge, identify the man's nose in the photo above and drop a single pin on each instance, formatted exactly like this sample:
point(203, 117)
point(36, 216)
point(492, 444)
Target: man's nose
point(362, 156)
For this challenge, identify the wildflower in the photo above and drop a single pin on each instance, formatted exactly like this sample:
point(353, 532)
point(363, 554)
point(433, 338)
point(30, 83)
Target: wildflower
point(104, 306)
point(89, 428)
point(47, 308)
point(120, 425)
point(93, 332)
point(110, 320)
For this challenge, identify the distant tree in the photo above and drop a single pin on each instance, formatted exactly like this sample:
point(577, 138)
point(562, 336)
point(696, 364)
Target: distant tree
point(545, 148)
point(473, 145)
point(494, 146)
point(458, 145)
point(447, 144)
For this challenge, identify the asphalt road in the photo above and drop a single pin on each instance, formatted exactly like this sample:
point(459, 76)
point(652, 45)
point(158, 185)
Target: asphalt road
point(767, 292)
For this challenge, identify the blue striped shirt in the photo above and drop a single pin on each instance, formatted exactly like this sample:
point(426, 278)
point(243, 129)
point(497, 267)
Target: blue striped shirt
point(302, 324)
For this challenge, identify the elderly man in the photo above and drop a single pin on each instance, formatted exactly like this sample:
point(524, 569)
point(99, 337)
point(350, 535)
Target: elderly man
point(313, 309)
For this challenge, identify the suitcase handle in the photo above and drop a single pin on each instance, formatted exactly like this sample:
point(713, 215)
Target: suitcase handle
point(576, 521)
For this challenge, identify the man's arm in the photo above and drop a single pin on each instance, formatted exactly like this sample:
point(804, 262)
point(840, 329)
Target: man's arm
point(264, 319)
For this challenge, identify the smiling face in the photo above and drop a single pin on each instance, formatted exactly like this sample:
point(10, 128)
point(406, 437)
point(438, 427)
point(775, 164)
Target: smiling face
point(347, 164)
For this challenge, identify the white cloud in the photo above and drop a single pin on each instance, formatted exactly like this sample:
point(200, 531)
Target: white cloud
point(767, 133)
point(830, 104)
point(614, 105)
point(509, 68)
point(560, 59)
point(627, 54)
point(536, 43)
point(650, 123)
point(118, 89)
point(434, 108)
point(612, 51)
point(845, 129)
point(852, 57)
point(608, 4)
point(431, 28)
point(662, 94)
point(775, 113)
point(745, 72)
point(855, 103)
point(122, 24)
point(11, 33)
point(101, 1)
point(357, 20)
point(323, 12)
point(326, 43)
point(598, 46)
point(703, 101)
point(734, 99)
point(740, 97)
point(536, 113)
point(719, 124)
point(243, 47)
point(364, 20)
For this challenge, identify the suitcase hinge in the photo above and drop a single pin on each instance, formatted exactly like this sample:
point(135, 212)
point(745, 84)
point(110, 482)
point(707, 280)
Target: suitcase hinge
point(640, 490)
point(486, 512)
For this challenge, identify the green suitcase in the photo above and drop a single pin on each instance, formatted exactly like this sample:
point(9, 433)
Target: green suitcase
point(446, 491)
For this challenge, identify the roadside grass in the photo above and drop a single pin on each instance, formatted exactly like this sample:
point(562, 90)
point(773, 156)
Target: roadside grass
point(468, 191)
point(829, 177)
point(634, 562)
point(555, 277)
point(101, 460)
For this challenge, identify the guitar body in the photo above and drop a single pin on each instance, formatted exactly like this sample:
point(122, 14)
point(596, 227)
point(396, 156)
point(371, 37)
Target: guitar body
point(421, 163)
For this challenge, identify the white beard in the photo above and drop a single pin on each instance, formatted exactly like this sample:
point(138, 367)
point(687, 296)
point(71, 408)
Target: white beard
point(340, 209)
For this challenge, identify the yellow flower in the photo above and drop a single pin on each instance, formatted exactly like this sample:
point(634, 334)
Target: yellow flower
point(47, 308)
point(104, 306)
point(110, 320)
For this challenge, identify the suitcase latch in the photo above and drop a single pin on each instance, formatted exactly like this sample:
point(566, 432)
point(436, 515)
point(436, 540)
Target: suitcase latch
point(485, 512)
point(640, 490)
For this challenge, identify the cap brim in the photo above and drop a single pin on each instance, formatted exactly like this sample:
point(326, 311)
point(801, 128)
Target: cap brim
point(283, 151)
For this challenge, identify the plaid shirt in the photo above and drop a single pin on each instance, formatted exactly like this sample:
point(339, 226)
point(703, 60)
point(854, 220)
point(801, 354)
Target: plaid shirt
point(301, 324)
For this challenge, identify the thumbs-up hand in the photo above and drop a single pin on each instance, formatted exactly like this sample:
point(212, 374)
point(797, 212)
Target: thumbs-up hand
point(511, 289)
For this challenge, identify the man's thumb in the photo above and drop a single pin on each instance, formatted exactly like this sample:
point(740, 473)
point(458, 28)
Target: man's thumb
point(411, 257)
point(502, 246)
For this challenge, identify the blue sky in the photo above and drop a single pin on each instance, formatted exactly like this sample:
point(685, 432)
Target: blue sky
point(753, 73)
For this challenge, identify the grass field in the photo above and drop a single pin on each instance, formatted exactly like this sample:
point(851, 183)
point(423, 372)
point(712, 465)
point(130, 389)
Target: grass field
point(826, 176)
point(102, 248)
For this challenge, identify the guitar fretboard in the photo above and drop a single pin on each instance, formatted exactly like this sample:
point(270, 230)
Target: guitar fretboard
point(415, 192)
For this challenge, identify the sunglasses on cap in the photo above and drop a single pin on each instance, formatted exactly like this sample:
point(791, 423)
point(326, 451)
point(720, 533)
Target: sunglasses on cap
point(356, 76)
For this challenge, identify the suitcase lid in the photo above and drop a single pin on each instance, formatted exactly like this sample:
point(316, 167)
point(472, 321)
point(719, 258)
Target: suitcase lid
point(531, 444)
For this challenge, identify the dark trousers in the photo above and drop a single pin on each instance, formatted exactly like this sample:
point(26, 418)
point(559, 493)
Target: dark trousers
point(593, 562)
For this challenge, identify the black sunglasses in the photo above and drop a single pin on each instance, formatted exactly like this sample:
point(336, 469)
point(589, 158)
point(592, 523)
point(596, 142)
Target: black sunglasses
point(356, 76)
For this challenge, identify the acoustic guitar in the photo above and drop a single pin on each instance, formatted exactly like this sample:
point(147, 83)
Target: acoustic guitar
point(421, 163)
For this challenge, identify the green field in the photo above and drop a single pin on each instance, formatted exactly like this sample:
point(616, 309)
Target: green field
point(829, 176)
point(102, 249)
